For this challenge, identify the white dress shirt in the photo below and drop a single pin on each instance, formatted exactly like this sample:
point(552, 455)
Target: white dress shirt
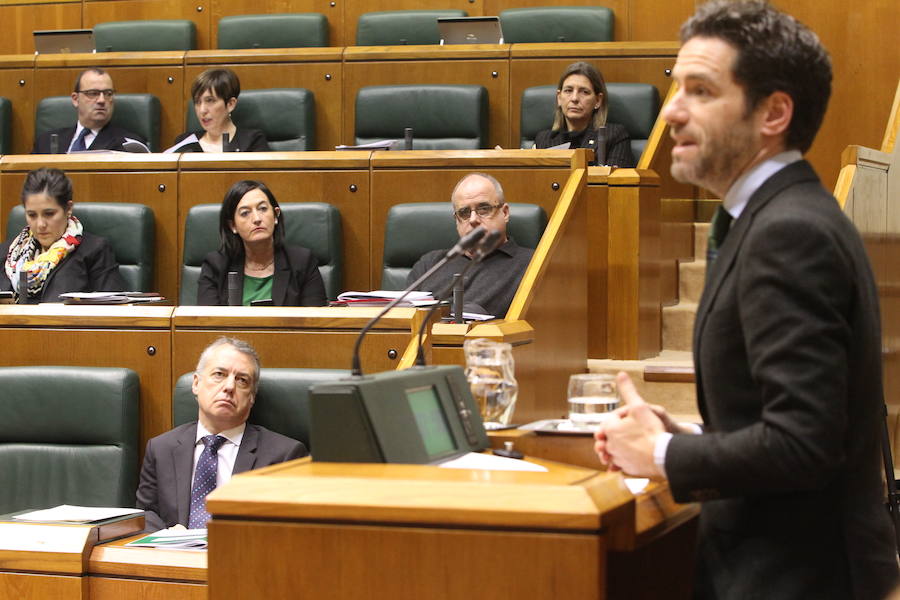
point(227, 454)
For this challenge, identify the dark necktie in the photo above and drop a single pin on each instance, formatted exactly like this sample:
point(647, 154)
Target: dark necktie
point(204, 480)
point(79, 141)
point(719, 227)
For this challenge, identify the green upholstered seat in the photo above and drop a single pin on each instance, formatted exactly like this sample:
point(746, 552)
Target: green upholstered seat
point(551, 24)
point(145, 36)
point(129, 229)
point(5, 126)
point(282, 403)
point(313, 225)
point(137, 113)
point(417, 228)
point(68, 435)
point(292, 30)
point(286, 116)
point(443, 117)
point(634, 105)
point(401, 27)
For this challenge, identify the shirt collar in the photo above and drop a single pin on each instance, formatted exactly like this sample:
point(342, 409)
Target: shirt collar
point(233, 435)
point(79, 127)
point(735, 200)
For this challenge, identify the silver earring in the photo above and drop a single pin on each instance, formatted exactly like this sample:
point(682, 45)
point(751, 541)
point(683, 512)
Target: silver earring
point(234, 231)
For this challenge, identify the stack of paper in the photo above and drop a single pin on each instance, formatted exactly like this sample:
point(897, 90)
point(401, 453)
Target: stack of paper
point(109, 297)
point(76, 514)
point(177, 539)
point(383, 297)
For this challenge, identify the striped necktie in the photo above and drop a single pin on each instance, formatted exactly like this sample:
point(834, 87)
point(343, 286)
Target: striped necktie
point(204, 480)
point(79, 144)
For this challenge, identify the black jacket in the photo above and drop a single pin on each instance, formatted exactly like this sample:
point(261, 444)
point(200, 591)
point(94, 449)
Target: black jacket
point(617, 143)
point(91, 267)
point(245, 140)
point(297, 279)
point(109, 138)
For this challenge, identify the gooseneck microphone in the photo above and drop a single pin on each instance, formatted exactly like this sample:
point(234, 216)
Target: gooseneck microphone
point(233, 286)
point(225, 141)
point(465, 243)
point(491, 242)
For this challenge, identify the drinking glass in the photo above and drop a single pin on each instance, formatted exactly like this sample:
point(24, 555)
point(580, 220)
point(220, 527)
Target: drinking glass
point(592, 396)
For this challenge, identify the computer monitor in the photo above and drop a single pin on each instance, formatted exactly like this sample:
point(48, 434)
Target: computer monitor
point(470, 30)
point(418, 416)
point(64, 41)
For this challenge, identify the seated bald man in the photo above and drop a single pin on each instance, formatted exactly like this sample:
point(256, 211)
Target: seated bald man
point(183, 465)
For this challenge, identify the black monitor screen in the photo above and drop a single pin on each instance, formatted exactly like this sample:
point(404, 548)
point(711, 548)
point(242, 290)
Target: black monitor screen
point(430, 420)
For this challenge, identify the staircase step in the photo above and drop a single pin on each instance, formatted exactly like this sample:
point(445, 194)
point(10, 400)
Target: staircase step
point(678, 326)
point(676, 397)
point(691, 277)
point(701, 234)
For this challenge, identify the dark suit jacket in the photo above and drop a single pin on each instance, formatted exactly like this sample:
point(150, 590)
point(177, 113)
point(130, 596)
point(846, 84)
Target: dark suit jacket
point(787, 355)
point(164, 490)
point(245, 140)
point(614, 138)
point(297, 279)
point(91, 267)
point(109, 138)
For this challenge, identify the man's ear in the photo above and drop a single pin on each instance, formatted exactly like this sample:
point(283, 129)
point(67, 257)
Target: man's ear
point(505, 211)
point(195, 384)
point(75, 99)
point(777, 113)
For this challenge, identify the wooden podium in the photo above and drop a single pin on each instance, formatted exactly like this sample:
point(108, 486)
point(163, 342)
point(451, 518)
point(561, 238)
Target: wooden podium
point(342, 531)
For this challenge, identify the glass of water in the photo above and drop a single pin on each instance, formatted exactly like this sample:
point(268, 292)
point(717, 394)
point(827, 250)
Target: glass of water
point(592, 396)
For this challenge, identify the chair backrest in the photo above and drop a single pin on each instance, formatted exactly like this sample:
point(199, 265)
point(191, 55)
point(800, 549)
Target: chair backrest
point(419, 227)
point(292, 30)
point(282, 402)
point(400, 27)
point(145, 36)
point(286, 116)
point(443, 117)
point(550, 24)
point(68, 435)
point(137, 113)
point(634, 105)
point(313, 225)
point(129, 229)
point(5, 125)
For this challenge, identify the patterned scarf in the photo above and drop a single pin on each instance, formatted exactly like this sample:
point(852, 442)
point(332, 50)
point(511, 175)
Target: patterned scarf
point(25, 254)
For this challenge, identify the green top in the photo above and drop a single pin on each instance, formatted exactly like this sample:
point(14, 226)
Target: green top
point(257, 288)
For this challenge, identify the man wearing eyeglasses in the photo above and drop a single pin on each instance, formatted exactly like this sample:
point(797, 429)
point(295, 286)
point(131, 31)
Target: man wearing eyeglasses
point(490, 286)
point(94, 99)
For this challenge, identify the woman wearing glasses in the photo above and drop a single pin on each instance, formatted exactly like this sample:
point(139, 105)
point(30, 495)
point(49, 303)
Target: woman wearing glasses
point(580, 119)
point(94, 99)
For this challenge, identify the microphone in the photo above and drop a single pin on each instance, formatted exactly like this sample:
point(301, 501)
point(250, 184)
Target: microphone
point(459, 286)
point(488, 244)
point(23, 287)
point(235, 293)
point(225, 140)
point(465, 243)
point(54, 143)
point(408, 138)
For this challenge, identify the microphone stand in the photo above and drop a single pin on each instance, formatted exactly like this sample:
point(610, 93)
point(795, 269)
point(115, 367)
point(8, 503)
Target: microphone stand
point(466, 242)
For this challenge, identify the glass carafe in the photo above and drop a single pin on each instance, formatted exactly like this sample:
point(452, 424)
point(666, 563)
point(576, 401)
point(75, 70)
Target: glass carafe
point(490, 369)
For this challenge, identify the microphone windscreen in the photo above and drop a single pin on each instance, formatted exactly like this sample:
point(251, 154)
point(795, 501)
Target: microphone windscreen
point(467, 241)
point(489, 243)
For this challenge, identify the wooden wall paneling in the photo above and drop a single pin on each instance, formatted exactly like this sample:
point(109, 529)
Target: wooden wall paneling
point(114, 588)
point(339, 178)
point(316, 69)
point(418, 176)
point(134, 178)
point(229, 8)
point(137, 338)
point(157, 73)
point(596, 196)
point(395, 65)
point(620, 8)
point(198, 11)
point(36, 585)
point(676, 244)
point(352, 10)
point(22, 18)
point(652, 20)
point(17, 85)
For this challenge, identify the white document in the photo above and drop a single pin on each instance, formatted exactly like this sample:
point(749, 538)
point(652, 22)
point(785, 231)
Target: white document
point(191, 139)
point(175, 539)
point(77, 514)
point(636, 484)
point(379, 145)
point(491, 462)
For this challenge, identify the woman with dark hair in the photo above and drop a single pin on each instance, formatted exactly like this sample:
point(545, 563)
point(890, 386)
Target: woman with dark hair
point(215, 94)
point(53, 251)
point(580, 118)
point(252, 230)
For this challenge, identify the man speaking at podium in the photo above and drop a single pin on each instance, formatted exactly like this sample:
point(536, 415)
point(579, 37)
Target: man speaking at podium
point(787, 347)
point(182, 466)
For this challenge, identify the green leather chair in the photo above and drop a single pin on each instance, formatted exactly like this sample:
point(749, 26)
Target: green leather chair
point(129, 229)
point(137, 113)
point(443, 117)
point(5, 126)
point(282, 403)
point(419, 227)
point(401, 27)
point(68, 435)
point(286, 116)
point(145, 36)
point(550, 24)
point(313, 225)
point(634, 105)
point(292, 30)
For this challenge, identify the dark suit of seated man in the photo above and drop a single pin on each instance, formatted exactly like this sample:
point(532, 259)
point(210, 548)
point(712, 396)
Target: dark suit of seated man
point(94, 99)
point(490, 286)
point(183, 465)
